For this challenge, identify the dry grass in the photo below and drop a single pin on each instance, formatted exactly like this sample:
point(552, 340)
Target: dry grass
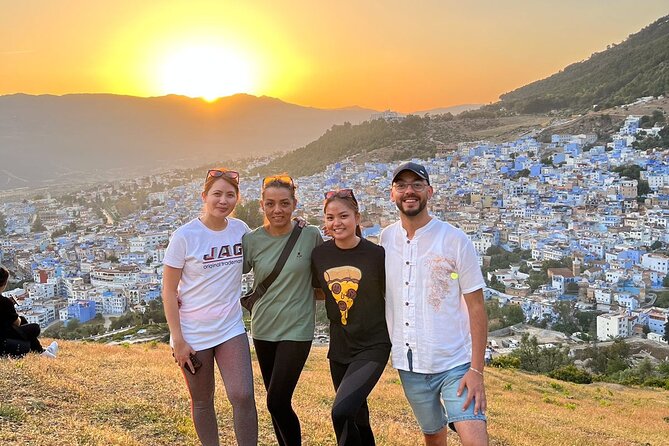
point(103, 395)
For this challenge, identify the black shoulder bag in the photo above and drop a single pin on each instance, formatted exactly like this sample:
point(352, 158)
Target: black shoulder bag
point(250, 299)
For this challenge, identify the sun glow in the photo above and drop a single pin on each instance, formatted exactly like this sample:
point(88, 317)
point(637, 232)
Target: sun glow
point(205, 71)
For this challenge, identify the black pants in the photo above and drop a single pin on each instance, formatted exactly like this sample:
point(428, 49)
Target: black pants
point(29, 332)
point(350, 414)
point(281, 364)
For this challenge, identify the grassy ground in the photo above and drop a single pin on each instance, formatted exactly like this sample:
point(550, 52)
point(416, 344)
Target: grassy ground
point(134, 395)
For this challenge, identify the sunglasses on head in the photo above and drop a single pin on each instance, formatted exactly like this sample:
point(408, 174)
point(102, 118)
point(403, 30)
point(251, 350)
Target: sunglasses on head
point(217, 173)
point(284, 179)
point(340, 193)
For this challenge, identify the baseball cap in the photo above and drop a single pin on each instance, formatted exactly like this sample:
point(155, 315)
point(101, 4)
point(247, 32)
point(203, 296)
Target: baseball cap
point(412, 167)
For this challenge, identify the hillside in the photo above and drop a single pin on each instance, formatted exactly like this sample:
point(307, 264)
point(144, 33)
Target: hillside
point(134, 395)
point(387, 141)
point(86, 137)
point(637, 67)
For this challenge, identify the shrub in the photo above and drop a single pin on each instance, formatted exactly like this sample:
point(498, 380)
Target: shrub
point(656, 382)
point(505, 362)
point(572, 374)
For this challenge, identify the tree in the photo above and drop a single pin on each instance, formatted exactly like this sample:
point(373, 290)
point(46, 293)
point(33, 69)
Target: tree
point(512, 315)
point(37, 225)
point(535, 358)
point(658, 118)
point(566, 321)
point(662, 299)
point(249, 212)
point(666, 331)
point(608, 360)
point(642, 188)
point(656, 245)
point(496, 285)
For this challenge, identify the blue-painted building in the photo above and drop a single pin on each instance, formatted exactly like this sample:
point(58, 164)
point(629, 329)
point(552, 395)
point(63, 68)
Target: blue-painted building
point(83, 310)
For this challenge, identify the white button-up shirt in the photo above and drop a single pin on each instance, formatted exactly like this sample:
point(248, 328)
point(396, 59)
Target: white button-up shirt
point(425, 311)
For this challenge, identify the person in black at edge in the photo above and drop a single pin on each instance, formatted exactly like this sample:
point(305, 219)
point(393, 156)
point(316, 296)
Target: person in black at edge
point(351, 272)
point(14, 327)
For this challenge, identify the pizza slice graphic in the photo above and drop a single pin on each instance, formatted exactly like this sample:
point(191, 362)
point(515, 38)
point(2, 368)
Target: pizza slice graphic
point(343, 283)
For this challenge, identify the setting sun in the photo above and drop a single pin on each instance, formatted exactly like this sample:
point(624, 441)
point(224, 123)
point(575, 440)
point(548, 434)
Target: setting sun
point(208, 72)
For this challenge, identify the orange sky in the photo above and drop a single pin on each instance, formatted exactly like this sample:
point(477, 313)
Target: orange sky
point(405, 56)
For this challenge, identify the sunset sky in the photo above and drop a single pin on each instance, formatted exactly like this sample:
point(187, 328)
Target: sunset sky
point(400, 55)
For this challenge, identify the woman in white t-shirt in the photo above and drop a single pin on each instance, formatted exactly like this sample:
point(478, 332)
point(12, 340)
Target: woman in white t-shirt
point(201, 290)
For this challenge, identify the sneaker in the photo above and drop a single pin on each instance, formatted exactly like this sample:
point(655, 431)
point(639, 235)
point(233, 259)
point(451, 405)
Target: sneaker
point(52, 349)
point(48, 354)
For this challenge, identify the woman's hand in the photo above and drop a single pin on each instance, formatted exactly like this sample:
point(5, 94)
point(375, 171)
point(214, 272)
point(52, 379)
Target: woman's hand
point(181, 352)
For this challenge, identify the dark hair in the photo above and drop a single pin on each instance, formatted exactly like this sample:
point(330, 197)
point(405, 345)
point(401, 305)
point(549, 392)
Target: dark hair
point(352, 204)
point(4, 276)
point(209, 182)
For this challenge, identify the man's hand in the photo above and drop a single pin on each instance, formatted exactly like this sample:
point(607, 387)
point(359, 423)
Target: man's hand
point(301, 222)
point(473, 381)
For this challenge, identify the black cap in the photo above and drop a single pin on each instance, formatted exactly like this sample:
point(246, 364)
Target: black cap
point(412, 167)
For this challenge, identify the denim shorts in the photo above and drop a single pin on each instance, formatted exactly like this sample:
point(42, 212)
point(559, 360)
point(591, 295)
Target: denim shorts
point(433, 398)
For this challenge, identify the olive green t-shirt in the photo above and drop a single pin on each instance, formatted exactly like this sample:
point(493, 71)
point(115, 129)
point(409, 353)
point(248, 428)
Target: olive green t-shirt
point(287, 310)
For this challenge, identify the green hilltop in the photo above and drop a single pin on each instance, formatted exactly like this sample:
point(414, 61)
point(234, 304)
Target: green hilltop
point(637, 67)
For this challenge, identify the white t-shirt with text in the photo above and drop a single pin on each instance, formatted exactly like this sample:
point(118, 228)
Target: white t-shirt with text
point(211, 281)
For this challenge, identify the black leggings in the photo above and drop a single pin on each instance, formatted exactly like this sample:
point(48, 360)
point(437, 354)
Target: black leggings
point(29, 332)
point(350, 413)
point(281, 364)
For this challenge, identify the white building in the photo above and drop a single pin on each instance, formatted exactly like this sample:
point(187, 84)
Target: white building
point(119, 278)
point(655, 262)
point(611, 326)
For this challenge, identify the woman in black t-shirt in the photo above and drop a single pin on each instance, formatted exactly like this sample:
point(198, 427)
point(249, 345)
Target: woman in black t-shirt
point(351, 272)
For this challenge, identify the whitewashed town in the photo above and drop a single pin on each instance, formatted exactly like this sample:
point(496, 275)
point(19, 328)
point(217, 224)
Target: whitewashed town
point(568, 200)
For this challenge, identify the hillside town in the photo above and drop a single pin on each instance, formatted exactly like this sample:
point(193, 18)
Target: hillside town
point(569, 200)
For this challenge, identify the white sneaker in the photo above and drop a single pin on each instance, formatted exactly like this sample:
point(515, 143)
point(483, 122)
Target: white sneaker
point(48, 354)
point(52, 349)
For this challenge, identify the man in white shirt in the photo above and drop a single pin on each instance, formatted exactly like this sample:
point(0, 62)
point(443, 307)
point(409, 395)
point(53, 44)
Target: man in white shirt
point(435, 314)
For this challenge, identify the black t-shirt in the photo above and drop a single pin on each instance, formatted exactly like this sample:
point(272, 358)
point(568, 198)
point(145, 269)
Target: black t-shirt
point(354, 282)
point(7, 316)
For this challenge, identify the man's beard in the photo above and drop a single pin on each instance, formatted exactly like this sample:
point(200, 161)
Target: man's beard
point(412, 213)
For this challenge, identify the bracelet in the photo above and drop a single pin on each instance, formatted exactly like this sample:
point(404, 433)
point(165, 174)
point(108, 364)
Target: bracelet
point(477, 371)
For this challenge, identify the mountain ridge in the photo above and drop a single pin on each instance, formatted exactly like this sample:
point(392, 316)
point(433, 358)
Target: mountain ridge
point(637, 67)
point(47, 138)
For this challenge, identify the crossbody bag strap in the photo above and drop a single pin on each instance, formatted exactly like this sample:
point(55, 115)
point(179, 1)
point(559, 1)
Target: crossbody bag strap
point(287, 249)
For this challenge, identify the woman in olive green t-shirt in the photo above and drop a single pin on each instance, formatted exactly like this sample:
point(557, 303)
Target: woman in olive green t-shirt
point(282, 324)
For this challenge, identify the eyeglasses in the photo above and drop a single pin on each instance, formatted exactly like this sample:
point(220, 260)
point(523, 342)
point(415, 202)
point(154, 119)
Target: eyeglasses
point(284, 179)
point(217, 173)
point(416, 186)
point(340, 193)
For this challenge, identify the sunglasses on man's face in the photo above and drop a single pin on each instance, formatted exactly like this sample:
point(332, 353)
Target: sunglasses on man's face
point(285, 179)
point(216, 173)
point(341, 193)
